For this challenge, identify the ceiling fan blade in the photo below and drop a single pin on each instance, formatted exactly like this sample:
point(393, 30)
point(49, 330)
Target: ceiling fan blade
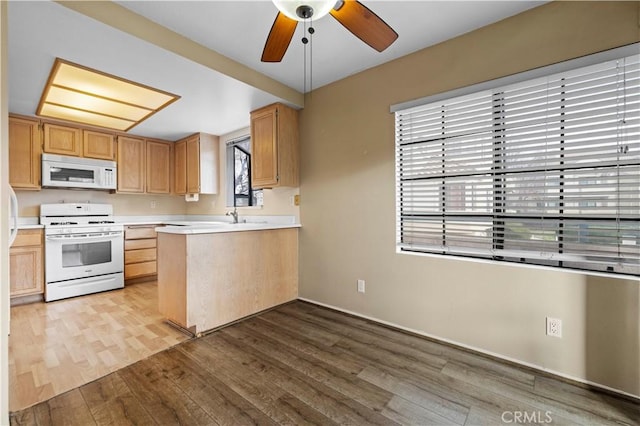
point(279, 38)
point(364, 24)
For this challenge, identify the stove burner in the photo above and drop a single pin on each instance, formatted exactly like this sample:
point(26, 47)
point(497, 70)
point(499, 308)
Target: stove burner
point(95, 222)
point(64, 223)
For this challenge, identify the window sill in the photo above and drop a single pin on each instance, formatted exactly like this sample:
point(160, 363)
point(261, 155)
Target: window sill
point(246, 207)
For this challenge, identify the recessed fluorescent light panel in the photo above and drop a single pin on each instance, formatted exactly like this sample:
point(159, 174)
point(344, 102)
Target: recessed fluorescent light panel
point(83, 95)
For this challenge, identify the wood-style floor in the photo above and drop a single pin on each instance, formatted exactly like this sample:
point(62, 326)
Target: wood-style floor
point(302, 364)
point(58, 346)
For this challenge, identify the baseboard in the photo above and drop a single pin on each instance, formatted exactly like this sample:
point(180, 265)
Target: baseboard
point(23, 300)
point(138, 280)
point(494, 355)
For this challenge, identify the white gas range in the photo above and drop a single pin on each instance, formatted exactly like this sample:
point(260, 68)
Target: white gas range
point(84, 250)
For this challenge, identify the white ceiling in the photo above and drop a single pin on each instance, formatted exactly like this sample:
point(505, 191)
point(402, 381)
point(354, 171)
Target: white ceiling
point(212, 102)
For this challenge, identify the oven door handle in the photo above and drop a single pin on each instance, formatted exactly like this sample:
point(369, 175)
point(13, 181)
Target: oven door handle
point(86, 237)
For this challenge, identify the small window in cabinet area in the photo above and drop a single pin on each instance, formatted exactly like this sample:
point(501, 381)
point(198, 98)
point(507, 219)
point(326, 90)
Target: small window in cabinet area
point(239, 190)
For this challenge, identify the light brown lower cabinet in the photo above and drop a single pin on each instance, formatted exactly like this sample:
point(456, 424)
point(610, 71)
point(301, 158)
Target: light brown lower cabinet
point(26, 273)
point(140, 252)
point(208, 280)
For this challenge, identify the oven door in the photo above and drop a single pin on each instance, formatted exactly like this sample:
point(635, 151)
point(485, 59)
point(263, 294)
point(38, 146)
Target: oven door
point(74, 256)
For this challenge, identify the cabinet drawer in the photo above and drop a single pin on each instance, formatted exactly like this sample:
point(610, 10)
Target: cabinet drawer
point(28, 237)
point(139, 270)
point(137, 256)
point(140, 244)
point(138, 233)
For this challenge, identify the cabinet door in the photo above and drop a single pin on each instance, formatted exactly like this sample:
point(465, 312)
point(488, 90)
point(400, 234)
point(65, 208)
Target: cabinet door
point(24, 153)
point(180, 167)
point(98, 145)
point(264, 149)
point(62, 140)
point(193, 165)
point(131, 162)
point(25, 271)
point(158, 167)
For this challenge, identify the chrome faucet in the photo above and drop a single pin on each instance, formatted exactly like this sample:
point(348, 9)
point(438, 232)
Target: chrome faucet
point(233, 214)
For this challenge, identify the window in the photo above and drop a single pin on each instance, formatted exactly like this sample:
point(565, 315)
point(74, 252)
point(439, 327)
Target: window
point(543, 171)
point(239, 190)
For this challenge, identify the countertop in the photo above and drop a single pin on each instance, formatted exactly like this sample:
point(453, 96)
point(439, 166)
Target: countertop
point(30, 226)
point(187, 228)
point(29, 223)
point(194, 224)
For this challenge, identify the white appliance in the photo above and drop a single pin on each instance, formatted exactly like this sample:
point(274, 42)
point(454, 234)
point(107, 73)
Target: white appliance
point(13, 215)
point(62, 171)
point(84, 249)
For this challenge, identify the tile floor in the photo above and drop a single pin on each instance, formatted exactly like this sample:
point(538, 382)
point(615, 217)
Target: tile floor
point(58, 346)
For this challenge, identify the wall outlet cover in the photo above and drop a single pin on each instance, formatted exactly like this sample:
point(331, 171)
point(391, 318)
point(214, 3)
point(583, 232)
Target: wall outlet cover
point(554, 327)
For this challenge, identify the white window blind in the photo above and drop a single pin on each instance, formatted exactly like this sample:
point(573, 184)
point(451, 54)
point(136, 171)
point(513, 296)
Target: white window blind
point(545, 171)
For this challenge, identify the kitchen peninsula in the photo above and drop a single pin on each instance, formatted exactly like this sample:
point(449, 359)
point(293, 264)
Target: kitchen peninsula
point(213, 274)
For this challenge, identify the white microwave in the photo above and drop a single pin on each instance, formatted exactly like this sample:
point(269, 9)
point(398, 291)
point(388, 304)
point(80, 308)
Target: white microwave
point(62, 171)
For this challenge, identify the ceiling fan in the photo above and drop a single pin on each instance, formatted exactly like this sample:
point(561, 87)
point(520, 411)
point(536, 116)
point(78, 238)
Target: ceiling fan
point(352, 14)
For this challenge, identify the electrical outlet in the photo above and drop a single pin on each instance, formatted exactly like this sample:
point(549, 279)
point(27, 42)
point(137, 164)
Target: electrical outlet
point(153, 204)
point(360, 286)
point(554, 327)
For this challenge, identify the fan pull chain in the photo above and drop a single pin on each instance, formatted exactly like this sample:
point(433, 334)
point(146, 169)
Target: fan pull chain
point(311, 31)
point(308, 41)
point(304, 68)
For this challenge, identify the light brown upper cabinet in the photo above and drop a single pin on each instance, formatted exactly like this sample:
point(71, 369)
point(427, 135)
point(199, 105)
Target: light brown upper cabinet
point(62, 140)
point(196, 165)
point(274, 147)
point(24, 153)
point(158, 167)
point(131, 164)
point(193, 164)
point(98, 145)
point(77, 142)
point(180, 167)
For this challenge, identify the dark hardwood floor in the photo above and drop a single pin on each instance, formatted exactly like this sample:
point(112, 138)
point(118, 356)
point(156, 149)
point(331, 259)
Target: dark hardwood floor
point(303, 364)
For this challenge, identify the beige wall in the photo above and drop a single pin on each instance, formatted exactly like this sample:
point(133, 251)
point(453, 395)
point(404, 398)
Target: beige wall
point(276, 201)
point(348, 213)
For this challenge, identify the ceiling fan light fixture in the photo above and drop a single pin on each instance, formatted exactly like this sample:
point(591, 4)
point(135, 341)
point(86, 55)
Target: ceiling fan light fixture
point(301, 10)
point(353, 15)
